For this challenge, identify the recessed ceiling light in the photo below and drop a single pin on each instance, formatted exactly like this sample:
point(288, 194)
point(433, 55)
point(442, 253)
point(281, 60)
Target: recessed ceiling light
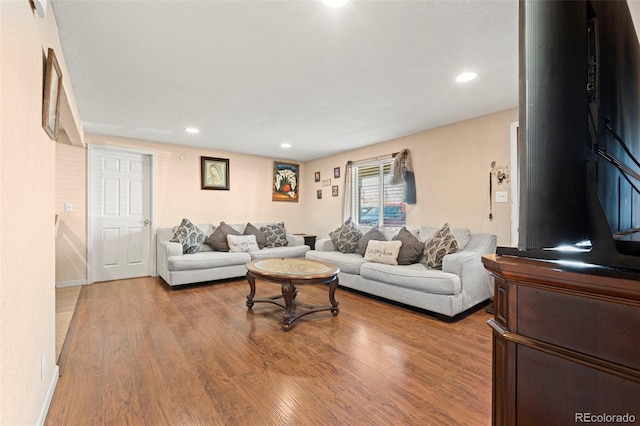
point(192, 130)
point(285, 145)
point(466, 76)
point(335, 3)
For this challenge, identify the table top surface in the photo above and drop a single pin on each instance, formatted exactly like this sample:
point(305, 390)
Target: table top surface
point(295, 268)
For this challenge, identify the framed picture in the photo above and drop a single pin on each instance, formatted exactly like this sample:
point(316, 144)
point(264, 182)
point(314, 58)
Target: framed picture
point(286, 181)
point(317, 176)
point(336, 172)
point(334, 190)
point(214, 173)
point(51, 96)
point(319, 194)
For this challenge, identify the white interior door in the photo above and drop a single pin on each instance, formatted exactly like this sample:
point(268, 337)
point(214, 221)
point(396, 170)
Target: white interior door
point(120, 214)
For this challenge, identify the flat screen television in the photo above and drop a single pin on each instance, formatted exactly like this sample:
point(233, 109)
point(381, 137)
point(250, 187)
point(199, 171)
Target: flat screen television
point(579, 134)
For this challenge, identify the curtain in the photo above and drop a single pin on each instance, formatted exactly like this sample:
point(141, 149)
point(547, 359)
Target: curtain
point(347, 200)
point(403, 173)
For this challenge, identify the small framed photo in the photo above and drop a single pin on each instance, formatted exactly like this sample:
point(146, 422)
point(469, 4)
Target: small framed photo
point(334, 190)
point(214, 173)
point(336, 172)
point(319, 194)
point(317, 176)
point(51, 96)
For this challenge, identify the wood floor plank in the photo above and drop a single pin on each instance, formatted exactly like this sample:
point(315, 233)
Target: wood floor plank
point(142, 353)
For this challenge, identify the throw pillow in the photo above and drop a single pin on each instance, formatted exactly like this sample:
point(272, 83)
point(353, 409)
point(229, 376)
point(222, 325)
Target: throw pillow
point(218, 240)
point(242, 243)
point(275, 235)
point(440, 245)
point(372, 234)
point(383, 252)
point(253, 230)
point(411, 249)
point(189, 236)
point(346, 237)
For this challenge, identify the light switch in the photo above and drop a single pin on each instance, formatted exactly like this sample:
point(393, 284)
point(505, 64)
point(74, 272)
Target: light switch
point(501, 196)
point(68, 207)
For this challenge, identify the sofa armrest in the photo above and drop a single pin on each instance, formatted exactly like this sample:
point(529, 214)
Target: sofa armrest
point(467, 264)
point(164, 250)
point(295, 240)
point(325, 244)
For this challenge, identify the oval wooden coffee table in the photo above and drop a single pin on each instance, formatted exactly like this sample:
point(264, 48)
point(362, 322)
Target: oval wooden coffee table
point(289, 273)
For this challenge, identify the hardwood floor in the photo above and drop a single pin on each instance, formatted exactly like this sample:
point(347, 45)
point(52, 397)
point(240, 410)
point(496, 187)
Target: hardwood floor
point(141, 353)
point(66, 300)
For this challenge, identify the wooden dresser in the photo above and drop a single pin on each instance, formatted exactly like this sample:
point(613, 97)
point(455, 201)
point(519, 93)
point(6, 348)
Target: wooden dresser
point(566, 344)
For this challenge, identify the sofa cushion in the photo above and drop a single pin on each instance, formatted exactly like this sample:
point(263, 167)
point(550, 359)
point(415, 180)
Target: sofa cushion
point(189, 235)
point(275, 235)
point(463, 235)
point(415, 277)
point(279, 252)
point(218, 240)
point(242, 243)
point(383, 252)
point(261, 240)
point(441, 244)
point(411, 250)
point(346, 237)
point(347, 262)
point(212, 259)
point(372, 234)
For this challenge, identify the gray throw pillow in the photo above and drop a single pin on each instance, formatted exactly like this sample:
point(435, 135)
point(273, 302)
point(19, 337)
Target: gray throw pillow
point(346, 237)
point(218, 240)
point(189, 236)
point(372, 234)
point(440, 245)
point(260, 238)
point(275, 235)
point(411, 249)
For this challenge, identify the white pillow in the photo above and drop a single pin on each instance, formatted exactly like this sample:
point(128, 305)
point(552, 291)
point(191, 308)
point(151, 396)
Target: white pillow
point(242, 243)
point(383, 251)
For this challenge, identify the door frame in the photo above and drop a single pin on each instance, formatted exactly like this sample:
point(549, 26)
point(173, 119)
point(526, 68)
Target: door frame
point(94, 150)
point(515, 182)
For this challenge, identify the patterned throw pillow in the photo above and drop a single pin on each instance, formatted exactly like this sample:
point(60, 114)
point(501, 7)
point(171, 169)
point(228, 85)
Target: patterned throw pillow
point(275, 235)
point(383, 252)
point(372, 234)
point(440, 245)
point(242, 243)
point(189, 236)
point(260, 238)
point(411, 249)
point(346, 237)
point(218, 240)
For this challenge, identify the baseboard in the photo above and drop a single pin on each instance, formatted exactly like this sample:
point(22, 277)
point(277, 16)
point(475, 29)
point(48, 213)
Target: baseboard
point(49, 397)
point(72, 283)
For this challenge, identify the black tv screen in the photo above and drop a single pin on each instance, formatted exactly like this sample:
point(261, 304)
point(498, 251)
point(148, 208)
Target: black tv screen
point(579, 134)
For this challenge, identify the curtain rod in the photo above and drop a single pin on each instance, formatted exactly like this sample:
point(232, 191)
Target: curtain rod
point(381, 157)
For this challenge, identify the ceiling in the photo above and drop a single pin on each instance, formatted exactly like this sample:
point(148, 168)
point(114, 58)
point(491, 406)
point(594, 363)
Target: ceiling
point(254, 74)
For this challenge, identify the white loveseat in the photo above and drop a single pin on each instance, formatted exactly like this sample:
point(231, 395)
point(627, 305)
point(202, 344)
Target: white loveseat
point(178, 269)
point(462, 283)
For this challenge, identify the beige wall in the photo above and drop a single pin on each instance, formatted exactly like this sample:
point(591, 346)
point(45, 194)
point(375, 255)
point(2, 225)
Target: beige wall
point(178, 187)
point(27, 194)
point(452, 165)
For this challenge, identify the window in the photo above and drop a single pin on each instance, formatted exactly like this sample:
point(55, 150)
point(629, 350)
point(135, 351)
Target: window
point(375, 199)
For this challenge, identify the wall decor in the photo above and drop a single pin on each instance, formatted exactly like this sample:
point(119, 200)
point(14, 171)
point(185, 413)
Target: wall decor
point(286, 179)
point(317, 176)
point(336, 172)
point(326, 182)
point(319, 194)
point(214, 173)
point(334, 190)
point(51, 96)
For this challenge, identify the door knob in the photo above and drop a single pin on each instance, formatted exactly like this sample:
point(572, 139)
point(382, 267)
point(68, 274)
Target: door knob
point(146, 221)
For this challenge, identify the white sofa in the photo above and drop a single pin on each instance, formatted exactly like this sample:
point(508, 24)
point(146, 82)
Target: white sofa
point(462, 283)
point(178, 269)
